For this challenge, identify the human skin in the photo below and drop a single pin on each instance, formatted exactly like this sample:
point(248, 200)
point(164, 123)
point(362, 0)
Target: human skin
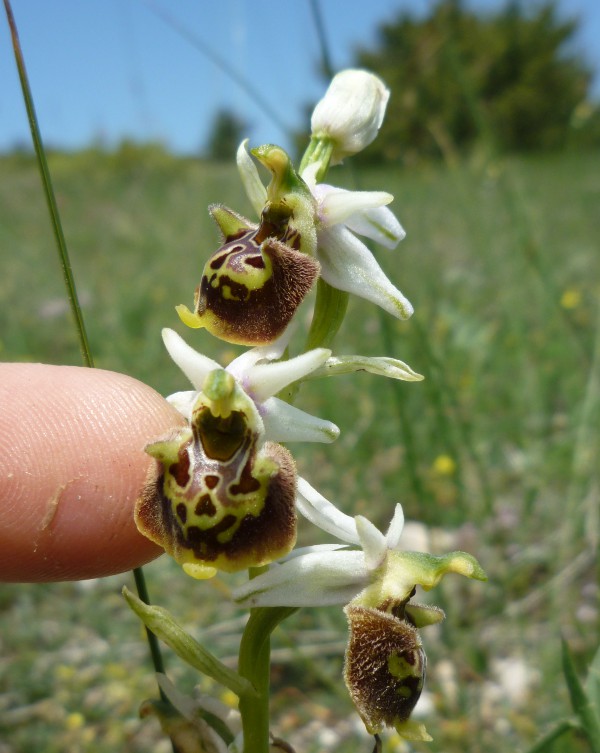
point(72, 465)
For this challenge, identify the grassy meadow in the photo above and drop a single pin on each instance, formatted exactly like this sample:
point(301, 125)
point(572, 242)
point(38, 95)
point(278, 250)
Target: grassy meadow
point(496, 451)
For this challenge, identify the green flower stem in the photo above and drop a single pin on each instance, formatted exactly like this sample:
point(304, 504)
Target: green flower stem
point(319, 150)
point(330, 309)
point(255, 665)
point(331, 304)
point(155, 653)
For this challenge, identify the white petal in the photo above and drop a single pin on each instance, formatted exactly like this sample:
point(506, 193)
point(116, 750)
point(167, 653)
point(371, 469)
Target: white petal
point(379, 224)
point(285, 423)
point(372, 541)
point(240, 366)
point(183, 402)
point(394, 531)
point(315, 579)
point(337, 205)
point(347, 264)
point(194, 365)
point(322, 513)
point(253, 186)
point(266, 380)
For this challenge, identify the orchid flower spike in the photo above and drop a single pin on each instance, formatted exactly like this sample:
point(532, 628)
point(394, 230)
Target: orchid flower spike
point(260, 374)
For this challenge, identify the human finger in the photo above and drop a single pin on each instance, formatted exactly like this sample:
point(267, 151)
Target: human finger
point(72, 465)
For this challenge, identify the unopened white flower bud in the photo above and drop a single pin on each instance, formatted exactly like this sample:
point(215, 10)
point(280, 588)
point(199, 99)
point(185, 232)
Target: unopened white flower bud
point(351, 112)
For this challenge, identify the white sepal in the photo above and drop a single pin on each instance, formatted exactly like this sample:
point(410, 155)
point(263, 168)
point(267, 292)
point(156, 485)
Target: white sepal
point(313, 579)
point(347, 264)
point(325, 515)
point(194, 365)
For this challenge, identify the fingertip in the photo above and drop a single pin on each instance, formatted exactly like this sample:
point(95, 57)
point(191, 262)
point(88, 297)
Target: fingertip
point(72, 464)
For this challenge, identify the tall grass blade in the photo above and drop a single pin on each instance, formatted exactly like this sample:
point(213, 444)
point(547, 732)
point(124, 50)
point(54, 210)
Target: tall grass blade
point(65, 262)
point(546, 744)
point(582, 705)
point(592, 682)
point(326, 64)
point(49, 190)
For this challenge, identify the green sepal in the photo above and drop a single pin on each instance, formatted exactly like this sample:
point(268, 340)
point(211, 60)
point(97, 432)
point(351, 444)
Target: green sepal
point(231, 224)
point(402, 571)
point(163, 625)
point(434, 567)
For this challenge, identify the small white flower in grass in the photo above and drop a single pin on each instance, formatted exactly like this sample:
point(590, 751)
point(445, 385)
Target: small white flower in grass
point(261, 376)
point(378, 572)
point(351, 112)
point(346, 262)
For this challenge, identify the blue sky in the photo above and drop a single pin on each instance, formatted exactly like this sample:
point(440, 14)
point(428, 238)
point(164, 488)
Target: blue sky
point(104, 70)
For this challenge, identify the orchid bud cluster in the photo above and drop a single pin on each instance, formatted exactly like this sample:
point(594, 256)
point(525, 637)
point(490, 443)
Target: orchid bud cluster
point(225, 492)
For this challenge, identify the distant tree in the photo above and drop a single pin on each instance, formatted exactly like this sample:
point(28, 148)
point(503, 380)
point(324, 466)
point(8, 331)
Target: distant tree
point(226, 132)
point(512, 78)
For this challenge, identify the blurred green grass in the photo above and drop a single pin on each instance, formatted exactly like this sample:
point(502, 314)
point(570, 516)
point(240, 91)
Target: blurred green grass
point(497, 448)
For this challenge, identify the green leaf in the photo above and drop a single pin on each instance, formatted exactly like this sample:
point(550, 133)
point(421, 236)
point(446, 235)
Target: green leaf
point(582, 704)
point(546, 743)
point(592, 682)
point(164, 626)
point(380, 365)
point(190, 709)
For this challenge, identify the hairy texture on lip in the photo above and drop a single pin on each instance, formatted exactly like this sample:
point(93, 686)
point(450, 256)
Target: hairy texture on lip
point(223, 499)
point(252, 285)
point(384, 668)
point(220, 523)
